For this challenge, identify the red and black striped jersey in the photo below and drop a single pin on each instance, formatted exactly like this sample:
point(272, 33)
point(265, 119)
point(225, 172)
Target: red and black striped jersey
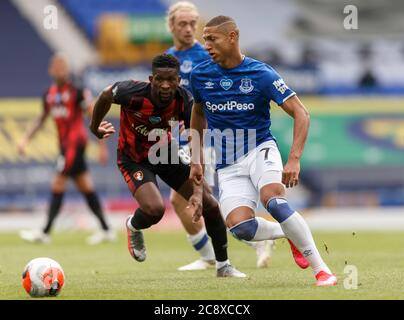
point(66, 105)
point(139, 116)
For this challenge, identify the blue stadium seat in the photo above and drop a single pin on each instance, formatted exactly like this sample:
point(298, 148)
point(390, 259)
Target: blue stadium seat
point(24, 55)
point(86, 12)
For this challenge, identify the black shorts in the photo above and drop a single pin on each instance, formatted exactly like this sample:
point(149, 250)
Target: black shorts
point(71, 162)
point(136, 174)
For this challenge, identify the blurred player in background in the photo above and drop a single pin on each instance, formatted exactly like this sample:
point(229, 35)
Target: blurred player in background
point(148, 108)
point(66, 104)
point(182, 20)
point(237, 98)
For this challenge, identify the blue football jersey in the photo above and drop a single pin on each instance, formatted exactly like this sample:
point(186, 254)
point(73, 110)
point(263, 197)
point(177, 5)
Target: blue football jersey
point(188, 60)
point(236, 105)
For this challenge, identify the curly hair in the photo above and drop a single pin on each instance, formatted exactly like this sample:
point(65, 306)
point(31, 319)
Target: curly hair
point(165, 61)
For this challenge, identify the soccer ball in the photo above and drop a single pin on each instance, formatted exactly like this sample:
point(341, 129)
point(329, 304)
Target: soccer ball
point(43, 277)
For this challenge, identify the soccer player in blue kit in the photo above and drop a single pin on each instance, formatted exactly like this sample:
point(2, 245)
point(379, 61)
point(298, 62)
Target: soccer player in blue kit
point(232, 94)
point(182, 20)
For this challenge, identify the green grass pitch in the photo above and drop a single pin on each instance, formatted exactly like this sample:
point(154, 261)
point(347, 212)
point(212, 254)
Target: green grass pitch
point(108, 272)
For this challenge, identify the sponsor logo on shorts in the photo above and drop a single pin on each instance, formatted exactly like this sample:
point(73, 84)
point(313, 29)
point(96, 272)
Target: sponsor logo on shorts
point(138, 175)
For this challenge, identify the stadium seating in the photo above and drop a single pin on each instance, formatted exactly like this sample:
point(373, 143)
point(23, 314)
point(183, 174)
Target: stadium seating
point(19, 76)
point(86, 12)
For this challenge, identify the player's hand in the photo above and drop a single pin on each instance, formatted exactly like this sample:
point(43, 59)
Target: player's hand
point(195, 206)
point(21, 148)
point(290, 174)
point(104, 130)
point(196, 173)
point(195, 201)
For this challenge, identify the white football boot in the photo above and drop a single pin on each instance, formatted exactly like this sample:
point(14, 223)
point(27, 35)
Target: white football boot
point(35, 236)
point(101, 236)
point(199, 264)
point(264, 250)
point(229, 271)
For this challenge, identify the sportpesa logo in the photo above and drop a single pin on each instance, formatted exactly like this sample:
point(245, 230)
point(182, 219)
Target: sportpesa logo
point(229, 106)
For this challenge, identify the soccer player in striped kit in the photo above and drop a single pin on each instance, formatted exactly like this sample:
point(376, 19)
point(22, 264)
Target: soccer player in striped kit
point(148, 111)
point(232, 93)
point(182, 21)
point(67, 104)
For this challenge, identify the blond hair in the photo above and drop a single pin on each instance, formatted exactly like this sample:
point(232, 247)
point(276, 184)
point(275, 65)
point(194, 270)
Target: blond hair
point(174, 8)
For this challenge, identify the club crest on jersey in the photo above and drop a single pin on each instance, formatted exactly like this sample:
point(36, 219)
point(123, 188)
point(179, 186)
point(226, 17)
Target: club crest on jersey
point(154, 119)
point(246, 85)
point(186, 66)
point(226, 84)
point(138, 175)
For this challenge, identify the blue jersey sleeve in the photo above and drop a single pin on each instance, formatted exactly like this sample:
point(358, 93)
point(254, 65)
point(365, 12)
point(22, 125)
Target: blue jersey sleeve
point(274, 87)
point(194, 87)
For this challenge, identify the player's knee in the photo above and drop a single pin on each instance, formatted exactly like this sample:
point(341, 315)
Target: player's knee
point(272, 190)
point(209, 202)
point(279, 209)
point(211, 211)
point(245, 230)
point(154, 210)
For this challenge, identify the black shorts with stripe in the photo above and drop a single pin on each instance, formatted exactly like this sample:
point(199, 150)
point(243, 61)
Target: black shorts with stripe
point(71, 162)
point(137, 174)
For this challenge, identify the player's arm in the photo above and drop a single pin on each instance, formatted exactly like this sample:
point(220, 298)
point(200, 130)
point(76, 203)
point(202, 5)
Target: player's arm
point(102, 129)
point(30, 133)
point(198, 123)
point(295, 108)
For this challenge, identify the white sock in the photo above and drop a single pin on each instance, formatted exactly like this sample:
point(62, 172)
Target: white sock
point(201, 243)
point(297, 230)
point(268, 230)
point(220, 264)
